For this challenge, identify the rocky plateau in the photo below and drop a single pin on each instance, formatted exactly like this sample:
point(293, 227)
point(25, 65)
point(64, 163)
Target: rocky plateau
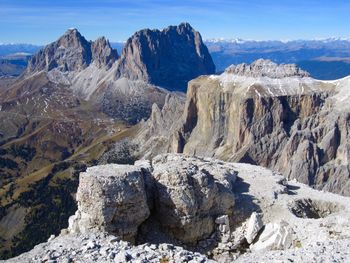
point(178, 208)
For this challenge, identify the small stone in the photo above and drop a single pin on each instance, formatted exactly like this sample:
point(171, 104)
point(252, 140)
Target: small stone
point(90, 245)
point(222, 220)
point(51, 238)
point(153, 246)
point(253, 227)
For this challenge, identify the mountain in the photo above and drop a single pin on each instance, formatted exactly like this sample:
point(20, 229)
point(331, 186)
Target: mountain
point(264, 114)
point(168, 58)
point(67, 110)
point(316, 56)
point(6, 49)
point(72, 52)
point(12, 65)
point(14, 59)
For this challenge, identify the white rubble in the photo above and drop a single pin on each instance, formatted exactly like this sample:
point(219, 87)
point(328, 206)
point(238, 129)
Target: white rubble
point(104, 248)
point(254, 225)
point(275, 236)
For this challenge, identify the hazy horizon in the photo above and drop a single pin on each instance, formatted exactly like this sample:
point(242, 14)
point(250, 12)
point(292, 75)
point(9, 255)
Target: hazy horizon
point(233, 38)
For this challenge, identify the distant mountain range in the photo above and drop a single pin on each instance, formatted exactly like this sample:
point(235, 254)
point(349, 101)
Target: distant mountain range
point(323, 59)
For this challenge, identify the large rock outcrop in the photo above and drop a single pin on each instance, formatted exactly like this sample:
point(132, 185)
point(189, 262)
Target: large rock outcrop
point(111, 198)
point(270, 218)
point(191, 193)
point(276, 117)
point(185, 195)
point(102, 53)
point(167, 58)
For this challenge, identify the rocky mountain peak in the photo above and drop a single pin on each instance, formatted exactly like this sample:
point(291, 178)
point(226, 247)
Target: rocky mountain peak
point(102, 53)
point(71, 52)
point(168, 58)
point(72, 32)
point(267, 68)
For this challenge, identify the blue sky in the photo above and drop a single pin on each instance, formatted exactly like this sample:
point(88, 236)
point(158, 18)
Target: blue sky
point(43, 21)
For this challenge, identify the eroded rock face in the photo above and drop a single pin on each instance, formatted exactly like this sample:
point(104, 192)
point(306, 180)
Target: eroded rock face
point(191, 193)
point(296, 125)
point(111, 198)
point(70, 52)
point(102, 53)
point(168, 58)
point(185, 195)
point(154, 134)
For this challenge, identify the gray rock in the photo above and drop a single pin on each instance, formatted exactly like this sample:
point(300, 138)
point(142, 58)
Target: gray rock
point(167, 58)
point(254, 225)
point(275, 236)
point(72, 52)
point(267, 68)
point(292, 124)
point(190, 193)
point(103, 55)
point(111, 198)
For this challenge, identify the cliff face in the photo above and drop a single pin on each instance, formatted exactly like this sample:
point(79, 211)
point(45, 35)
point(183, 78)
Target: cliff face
point(168, 58)
point(290, 123)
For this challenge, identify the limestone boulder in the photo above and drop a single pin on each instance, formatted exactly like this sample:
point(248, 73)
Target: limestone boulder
point(254, 225)
point(111, 198)
point(191, 193)
point(275, 236)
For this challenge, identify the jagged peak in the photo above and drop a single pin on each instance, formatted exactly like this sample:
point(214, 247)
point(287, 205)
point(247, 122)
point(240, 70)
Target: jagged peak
point(72, 32)
point(184, 26)
point(150, 55)
point(102, 52)
point(102, 39)
point(267, 68)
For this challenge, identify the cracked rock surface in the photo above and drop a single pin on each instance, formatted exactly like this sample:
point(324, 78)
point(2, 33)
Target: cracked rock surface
point(192, 209)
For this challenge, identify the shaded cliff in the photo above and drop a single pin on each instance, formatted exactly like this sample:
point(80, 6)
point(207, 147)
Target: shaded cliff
point(168, 58)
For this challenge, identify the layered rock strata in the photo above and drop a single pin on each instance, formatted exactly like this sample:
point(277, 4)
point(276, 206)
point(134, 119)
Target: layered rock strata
point(276, 117)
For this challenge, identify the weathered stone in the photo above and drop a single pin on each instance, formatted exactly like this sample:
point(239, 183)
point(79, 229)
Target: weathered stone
point(274, 236)
point(253, 227)
point(266, 68)
point(111, 198)
point(191, 193)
